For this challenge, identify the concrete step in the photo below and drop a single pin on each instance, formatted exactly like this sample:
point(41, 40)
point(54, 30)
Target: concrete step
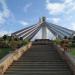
point(40, 73)
point(39, 60)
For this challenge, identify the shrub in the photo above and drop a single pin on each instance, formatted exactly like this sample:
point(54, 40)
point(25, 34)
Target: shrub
point(5, 37)
point(57, 41)
point(26, 41)
point(13, 44)
point(73, 41)
point(4, 44)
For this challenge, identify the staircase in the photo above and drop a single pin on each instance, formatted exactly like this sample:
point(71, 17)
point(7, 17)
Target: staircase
point(40, 59)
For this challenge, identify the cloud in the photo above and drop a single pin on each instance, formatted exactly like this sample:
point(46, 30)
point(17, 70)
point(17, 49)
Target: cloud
point(4, 33)
point(56, 20)
point(62, 12)
point(54, 8)
point(6, 16)
point(24, 23)
point(5, 13)
point(68, 1)
point(73, 25)
point(58, 8)
point(27, 6)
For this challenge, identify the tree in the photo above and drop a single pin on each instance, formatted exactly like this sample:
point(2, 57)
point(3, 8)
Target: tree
point(5, 37)
point(73, 37)
point(65, 37)
point(21, 38)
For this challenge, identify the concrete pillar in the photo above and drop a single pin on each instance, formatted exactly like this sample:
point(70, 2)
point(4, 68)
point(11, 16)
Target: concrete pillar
point(44, 32)
point(42, 21)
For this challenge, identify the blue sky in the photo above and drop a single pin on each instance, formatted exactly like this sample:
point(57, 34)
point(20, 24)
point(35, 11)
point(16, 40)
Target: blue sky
point(17, 14)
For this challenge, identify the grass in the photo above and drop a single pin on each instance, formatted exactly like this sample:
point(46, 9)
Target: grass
point(4, 51)
point(72, 51)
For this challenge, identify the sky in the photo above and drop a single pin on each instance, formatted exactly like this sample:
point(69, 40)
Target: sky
point(17, 14)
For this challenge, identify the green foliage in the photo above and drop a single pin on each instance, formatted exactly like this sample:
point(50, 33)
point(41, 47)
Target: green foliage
point(26, 41)
point(73, 38)
point(72, 51)
point(57, 41)
point(4, 44)
point(15, 43)
point(12, 42)
point(4, 51)
point(73, 41)
point(73, 44)
point(5, 37)
point(9, 43)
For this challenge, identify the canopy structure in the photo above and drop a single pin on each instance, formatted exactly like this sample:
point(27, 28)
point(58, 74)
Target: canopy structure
point(31, 31)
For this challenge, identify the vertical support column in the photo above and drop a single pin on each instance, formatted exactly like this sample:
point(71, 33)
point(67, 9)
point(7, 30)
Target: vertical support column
point(44, 32)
